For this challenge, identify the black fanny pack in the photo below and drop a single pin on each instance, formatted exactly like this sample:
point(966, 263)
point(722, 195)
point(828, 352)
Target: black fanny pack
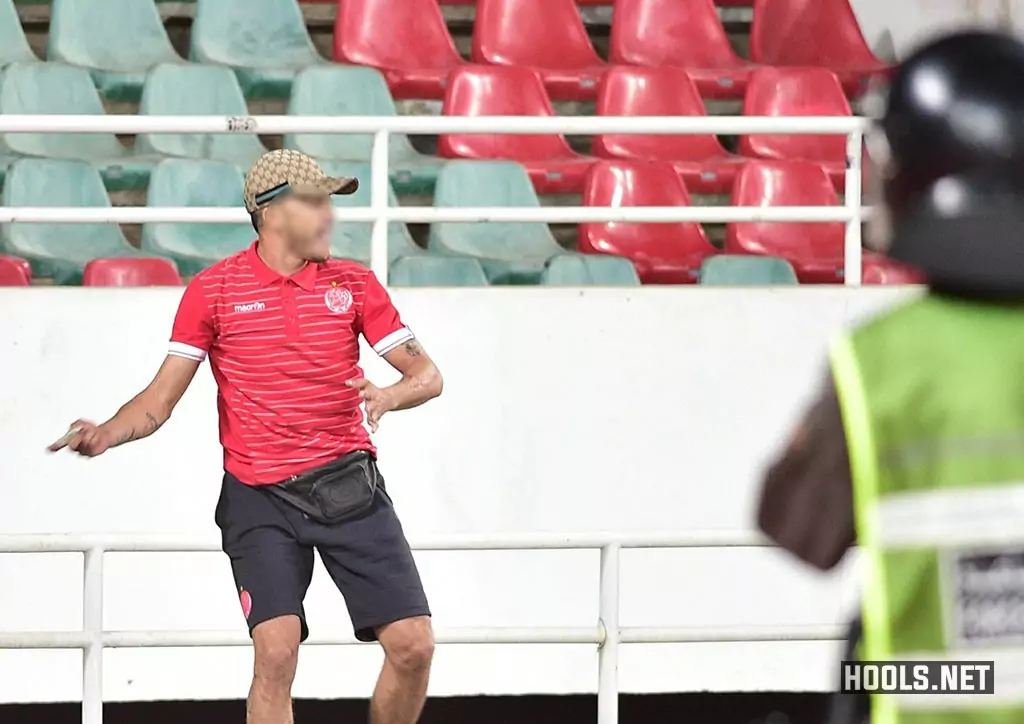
point(334, 492)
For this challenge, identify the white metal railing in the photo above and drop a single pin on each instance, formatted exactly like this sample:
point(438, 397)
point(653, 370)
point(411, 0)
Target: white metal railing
point(606, 633)
point(380, 213)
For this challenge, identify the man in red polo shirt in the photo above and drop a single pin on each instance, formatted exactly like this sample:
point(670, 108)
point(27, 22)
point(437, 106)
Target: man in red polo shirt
point(280, 323)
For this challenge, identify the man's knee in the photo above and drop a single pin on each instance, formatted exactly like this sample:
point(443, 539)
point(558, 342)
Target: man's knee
point(276, 644)
point(409, 644)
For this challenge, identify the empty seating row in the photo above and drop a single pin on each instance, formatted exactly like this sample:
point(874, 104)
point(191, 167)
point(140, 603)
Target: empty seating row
point(266, 42)
point(626, 91)
point(51, 88)
point(563, 270)
point(55, 89)
point(507, 252)
point(409, 42)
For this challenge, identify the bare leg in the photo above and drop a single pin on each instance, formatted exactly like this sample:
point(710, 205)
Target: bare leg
point(402, 686)
point(277, 651)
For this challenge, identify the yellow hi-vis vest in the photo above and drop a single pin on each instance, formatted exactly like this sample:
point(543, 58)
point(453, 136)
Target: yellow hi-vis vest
point(932, 397)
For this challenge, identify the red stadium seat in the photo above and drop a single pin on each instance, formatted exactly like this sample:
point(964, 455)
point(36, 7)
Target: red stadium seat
point(815, 250)
point(483, 90)
point(705, 166)
point(546, 35)
point(821, 33)
point(877, 269)
point(682, 34)
point(797, 92)
point(662, 253)
point(14, 271)
point(407, 40)
point(137, 272)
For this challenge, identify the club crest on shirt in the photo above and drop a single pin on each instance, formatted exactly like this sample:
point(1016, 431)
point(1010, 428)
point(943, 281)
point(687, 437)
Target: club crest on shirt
point(338, 300)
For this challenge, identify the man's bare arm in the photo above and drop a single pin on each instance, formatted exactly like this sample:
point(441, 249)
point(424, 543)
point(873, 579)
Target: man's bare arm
point(421, 381)
point(141, 416)
point(806, 501)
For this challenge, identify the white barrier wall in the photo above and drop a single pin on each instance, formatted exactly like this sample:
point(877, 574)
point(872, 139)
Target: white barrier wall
point(903, 25)
point(564, 410)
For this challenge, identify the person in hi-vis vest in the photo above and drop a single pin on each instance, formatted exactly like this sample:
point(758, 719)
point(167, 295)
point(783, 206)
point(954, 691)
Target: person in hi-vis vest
point(915, 448)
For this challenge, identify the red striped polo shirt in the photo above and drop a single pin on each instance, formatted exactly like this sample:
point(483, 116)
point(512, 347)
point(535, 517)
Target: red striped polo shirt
point(281, 350)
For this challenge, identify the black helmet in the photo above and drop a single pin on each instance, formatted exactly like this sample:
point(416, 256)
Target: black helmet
point(966, 232)
point(954, 105)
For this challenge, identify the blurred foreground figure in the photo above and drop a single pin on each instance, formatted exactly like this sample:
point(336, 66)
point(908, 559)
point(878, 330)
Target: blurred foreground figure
point(915, 448)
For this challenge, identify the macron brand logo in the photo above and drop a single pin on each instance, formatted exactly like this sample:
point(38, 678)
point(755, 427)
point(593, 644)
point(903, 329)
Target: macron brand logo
point(254, 307)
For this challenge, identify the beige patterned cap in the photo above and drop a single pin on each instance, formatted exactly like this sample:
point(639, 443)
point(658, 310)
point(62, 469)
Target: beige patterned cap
point(276, 172)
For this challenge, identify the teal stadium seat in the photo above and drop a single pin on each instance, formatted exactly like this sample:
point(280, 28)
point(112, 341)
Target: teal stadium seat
point(14, 47)
point(436, 271)
point(60, 251)
point(118, 41)
point(743, 271)
point(197, 90)
point(357, 91)
point(185, 182)
point(58, 89)
point(352, 240)
point(582, 270)
point(265, 41)
point(510, 252)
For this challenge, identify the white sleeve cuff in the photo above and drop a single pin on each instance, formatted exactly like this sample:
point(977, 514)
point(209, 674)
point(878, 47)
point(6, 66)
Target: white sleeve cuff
point(396, 338)
point(180, 349)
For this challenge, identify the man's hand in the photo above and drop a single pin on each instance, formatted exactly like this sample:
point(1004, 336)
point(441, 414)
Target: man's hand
point(85, 438)
point(140, 417)
point(378, 400)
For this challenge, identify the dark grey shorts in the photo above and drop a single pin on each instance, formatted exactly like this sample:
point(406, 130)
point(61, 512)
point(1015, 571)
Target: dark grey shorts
point(271, 546)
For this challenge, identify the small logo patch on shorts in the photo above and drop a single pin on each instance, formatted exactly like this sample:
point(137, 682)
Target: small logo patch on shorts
point(338, 299)
point(246, 600)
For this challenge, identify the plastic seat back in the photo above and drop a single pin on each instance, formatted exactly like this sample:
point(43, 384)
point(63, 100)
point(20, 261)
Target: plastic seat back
point(60, 250)
point(409, 34)
point(582, 270)
point(795, 92)
point(252, 34)
point(729, 270)
point(808, 32)
point(120, 35)
point(436, 271)
point(197, 90)
point(343, 91)
point(499, 91)
point(14, 47)
point(489, 183)
point(669, 32)
point(54, 89)
point(532, 33)
point(144, 272)
point(784, 183)
point(185, 182)
point(639, 183)
point(351, 239)
point(636, 91)
point(14, 271)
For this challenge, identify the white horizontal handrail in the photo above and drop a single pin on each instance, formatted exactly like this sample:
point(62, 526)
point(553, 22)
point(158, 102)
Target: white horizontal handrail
point(580, 125)
point(434, 215)
point(149, 543)
point(607, 634)
point(458, 635)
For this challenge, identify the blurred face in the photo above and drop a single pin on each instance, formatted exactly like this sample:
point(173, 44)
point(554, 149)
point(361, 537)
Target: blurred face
point(304, 222)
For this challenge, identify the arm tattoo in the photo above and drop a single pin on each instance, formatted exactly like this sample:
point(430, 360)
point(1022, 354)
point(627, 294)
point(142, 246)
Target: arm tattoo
point(126, 437)
point(152, 425)
point(412, 348)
